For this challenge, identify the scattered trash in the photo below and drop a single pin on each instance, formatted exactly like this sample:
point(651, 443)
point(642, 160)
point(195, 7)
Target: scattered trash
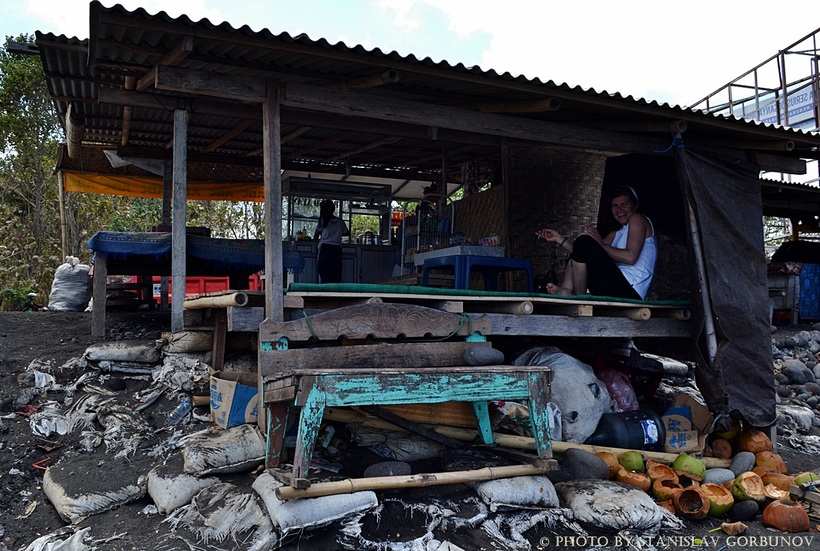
point(170, 489)
point(180, 412)
point(235, 450)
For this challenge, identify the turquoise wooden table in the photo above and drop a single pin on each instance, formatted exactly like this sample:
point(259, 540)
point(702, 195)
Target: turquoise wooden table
point(314, 389)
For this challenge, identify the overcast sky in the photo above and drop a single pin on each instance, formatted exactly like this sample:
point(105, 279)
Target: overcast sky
point(675, 52)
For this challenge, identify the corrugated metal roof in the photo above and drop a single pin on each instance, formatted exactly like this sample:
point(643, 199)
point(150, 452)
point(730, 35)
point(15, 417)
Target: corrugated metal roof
point(125, 46)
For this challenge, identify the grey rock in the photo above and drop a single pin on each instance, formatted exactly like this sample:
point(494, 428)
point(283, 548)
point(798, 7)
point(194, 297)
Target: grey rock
point(801, 389)
point(812, 401)
point(744, 510)
point(793, 369)
point(802, 397)
point(582, 465)
point(784, 391)
point(816, 422)
point(777, 399)
point(742, 462)
point(784, 344)
point(808, 374)
point(814, 347)
point(388, 468)
point(816, 371)
point(815, 335)
point(483, 355)
point(776, 353)
point(802, 339)
point(811, 364)
point(813, 388)
point(718, 476)
point(781, 379)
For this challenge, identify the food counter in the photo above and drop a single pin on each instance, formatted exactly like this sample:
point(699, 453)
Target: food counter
point(360, 263)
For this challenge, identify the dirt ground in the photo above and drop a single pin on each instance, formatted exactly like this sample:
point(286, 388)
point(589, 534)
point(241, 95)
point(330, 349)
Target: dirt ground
point(25, 513)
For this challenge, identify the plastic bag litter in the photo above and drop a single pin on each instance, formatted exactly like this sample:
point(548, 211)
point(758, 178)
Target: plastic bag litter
point(299, 514)
point(413, 517)
point(77, 497)
point(397, 445)
point(579, 394)
point(528, 492)
point(238, 449)
point(52, 542)
point(71, 288)
point(171, 490)
point(223, 512)
point(620, 388)
point(123, 351)
point(610, 505)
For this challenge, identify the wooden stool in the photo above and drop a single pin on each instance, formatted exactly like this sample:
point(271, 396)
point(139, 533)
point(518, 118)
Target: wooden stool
point(489, 266)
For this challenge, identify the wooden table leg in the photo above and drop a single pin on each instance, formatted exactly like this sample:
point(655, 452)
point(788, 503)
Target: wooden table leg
point(538, 401)
point(220, 337)
point(485, 427)
point(99, 291)
point(277, 424)
point(310, 420)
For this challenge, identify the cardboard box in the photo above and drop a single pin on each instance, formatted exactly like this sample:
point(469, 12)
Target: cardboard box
point(687, 425)
point(234, 398)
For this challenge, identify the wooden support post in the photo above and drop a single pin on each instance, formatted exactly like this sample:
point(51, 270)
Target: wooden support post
point(179, 217)
point(272, 157)
point(99, 291)
point(220, 337)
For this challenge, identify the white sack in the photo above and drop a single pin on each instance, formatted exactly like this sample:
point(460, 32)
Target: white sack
point(298, 514)
point(238, 449)
point(123, 351)
point(187, 341)
point(71, 288)
point(170, 491)
point(102, 489)
point(578, 393)
point(610, 505)
point(533, 492)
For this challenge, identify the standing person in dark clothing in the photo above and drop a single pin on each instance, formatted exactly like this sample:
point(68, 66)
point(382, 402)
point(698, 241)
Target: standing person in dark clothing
point(329, 232)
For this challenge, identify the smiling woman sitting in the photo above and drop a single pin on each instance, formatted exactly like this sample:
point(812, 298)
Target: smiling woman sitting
point(618, 265)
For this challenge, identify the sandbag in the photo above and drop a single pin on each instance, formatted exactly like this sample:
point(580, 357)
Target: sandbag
point(579, 394)
point(299, 514)
point(238, 449)
point(170, 489)
point(186, 341)
point(223, 512)
point(518, 492)
point(70, 288)
point(610, 505)
point(99, 490)
point(123, 351)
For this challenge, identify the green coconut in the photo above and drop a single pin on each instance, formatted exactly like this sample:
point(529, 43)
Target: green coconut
point(749, 486)
point(690, 467)
point(806, 478)
point(720, 498)
point(632, 461)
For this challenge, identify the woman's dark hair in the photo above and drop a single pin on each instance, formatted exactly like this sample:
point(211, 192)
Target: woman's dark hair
point(326, 210)
point(624, 190)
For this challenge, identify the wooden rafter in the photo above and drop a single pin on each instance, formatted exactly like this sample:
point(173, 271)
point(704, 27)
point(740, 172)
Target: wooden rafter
point(174, 56)
point(339, 136)
point(232, 133)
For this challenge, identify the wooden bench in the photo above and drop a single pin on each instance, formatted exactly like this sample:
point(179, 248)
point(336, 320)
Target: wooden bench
point(314, 389)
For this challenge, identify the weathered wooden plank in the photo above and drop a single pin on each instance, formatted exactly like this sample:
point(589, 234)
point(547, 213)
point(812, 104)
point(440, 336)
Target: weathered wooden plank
point(284, 394)
point(427, 354)
point(245, 319)
point(410, 426)
point(638, 314)
point(294, 301)
point(381, 321)
point(220, 338)
point(564, 326)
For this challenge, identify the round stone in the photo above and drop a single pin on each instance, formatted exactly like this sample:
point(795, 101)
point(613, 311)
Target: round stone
point(742, 462)
point(582, 465)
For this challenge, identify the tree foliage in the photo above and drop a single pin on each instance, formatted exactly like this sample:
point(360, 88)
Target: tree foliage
point(29, 132)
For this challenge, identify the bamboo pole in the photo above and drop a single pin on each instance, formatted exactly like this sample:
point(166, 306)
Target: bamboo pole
point(510, 440)
point(350, 485)
point(221, 301)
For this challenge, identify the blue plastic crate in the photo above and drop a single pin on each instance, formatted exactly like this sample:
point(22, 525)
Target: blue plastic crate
point(810, 292)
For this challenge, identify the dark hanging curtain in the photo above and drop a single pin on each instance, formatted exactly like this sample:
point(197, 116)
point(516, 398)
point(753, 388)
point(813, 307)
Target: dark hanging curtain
point(728, 222)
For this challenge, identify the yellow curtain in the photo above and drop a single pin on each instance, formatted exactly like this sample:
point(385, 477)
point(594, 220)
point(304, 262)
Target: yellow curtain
point(135, 186)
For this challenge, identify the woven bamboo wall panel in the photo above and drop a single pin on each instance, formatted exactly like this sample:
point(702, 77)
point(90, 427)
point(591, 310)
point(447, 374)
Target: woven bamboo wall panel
point(481, 215)
point(552, 189)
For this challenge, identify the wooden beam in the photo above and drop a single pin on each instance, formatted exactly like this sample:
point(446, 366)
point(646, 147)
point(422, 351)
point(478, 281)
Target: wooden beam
point(347, 154)
point(174, 56)
point(235, 131)
point(391, 76)
point(400, 111)
point(204, 83)
point(339, 136)
point(541, 105)
point(673, 126)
